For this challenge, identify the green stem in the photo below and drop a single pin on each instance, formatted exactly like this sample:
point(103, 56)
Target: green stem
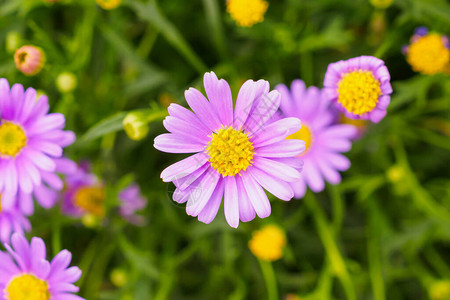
point(373, 252)
point(56, 235)
point(270, 279)
point(338, 208)
point(214, 20)
point(331, 248)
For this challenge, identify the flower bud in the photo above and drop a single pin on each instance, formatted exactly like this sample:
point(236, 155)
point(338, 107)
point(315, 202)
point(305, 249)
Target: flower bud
point(135, 125)
point(29, 59)
point(66, 82)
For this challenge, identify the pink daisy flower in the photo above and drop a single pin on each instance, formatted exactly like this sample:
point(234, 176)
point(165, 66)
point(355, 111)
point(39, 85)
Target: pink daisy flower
point(237, 153)
point(12, 221)
point(360, 87)
point(324, 141)
point(31, 140)
point(84, 194)
point(27, 274)
point(131, 201)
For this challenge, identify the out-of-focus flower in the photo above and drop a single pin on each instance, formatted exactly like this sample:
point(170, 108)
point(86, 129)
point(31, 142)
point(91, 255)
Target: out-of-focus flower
point(66, 82)
point(237, 154)
point(31, 144)
point(428, 53)
point(382, 4)
point(27, 274)
point(13, 41)
point(360, 87)
point(108, 4)
point(84, 195)
point(268, 243)
point(12, 220)
point(440, 290)
point(131, 201)
point(293, 297)
point(246, 13)
point(29, 59)
point(324, 141)
point(135, 125)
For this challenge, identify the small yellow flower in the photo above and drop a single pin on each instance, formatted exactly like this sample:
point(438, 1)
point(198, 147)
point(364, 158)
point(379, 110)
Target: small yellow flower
point(135, 125)
point(440, 290)
point(29, 59)
point(428, 54)
point(268, 243)
point(109, 4)
point(246, 13)
point(382, 4)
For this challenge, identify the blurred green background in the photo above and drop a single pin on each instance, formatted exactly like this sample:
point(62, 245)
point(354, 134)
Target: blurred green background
point(383, 233)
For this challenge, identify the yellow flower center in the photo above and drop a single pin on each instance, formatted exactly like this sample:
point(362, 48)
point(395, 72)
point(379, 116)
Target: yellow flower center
point(359, 92)
point(27, 287)
point(230, 151)
point(246, 13)
point(0, 203)
point(428, 54)
point(91, 199)
point(303, 134)
point(268, 243)
point(440, 290)
point(12, 139)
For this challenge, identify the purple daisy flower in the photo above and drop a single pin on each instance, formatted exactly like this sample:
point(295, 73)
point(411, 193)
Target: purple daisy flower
point(324, 141)
point(360, 87)
point(84, 194)
point(12, 221)
point(27, 274)
point(131, 201)
point(31, 139)
point(237, 153)
point(46, 194)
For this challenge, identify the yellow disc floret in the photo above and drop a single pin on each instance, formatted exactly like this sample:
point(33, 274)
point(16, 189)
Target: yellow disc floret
point(303, 134)
point(27, 287)
point(91, 199)
point(12, 139)
point(268, 243)
point(246, 13)
point(230, 151)
point(428, 55)
point(359, 91)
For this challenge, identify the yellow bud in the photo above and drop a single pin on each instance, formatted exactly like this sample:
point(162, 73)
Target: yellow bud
point(108, 4)
point(90, 220)
point(440, 290)
point(382, 4)
point(119, 277)
point(395, 173)
point(66, 82)
point(13, 41)
point(135, 125)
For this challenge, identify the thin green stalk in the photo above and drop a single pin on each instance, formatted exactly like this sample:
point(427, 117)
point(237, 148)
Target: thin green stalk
point(56, 235)
point(270, 279)
point(374, 252)
point(326, 235)
point(338, 208)
point(214, 20)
